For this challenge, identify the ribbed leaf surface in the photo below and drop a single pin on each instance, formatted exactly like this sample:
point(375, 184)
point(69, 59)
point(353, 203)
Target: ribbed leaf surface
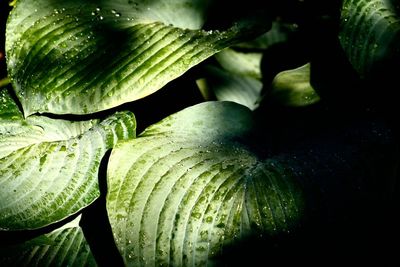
point(65, 246)
point(370, 31)
point(74, 57)
point(190, 184)
point(49, 167)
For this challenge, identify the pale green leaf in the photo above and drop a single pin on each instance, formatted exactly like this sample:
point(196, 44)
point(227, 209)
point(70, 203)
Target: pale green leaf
point(65, 246)
point(191, 184)
point(82, 57)
point(228, 86)
point(370, 33)
point(49, 167)
point(292, 88)
point(245, 64)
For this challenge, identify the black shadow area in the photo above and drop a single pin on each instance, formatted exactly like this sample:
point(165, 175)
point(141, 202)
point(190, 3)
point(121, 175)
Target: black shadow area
point(96, 226)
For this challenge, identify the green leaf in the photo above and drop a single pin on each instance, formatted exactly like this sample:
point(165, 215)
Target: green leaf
point(191, 184)
point(69, 57)
point(237, 79)
point(292, 88)
point(65, 246)
point(370, 33)
point(245, 64)
point(8, 108)
point(278, 33)
point(49, 167)
point(228, 86)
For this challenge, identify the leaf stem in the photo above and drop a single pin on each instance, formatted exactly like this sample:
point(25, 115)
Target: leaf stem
point(12, 3)
point(4, 82)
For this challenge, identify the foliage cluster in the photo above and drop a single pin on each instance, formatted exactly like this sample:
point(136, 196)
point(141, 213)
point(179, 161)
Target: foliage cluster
point(196, 132)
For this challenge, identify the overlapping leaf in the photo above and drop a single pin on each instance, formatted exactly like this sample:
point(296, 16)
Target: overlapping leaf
point(245, 64)
point(75, 57)
point(49, 167)
point(370, 33)
point(191, 184)
point(65, 246)
point(228, 86)
point(292, 87)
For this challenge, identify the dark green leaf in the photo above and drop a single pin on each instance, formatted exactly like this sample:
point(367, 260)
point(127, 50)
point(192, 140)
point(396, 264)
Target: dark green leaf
point(292, 88)
point(370, 31)
point(65, 246)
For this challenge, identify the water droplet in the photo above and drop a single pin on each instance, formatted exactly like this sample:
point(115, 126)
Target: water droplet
point(118, 14)
point(196, 215)
point(98, 9)
point(101, 17)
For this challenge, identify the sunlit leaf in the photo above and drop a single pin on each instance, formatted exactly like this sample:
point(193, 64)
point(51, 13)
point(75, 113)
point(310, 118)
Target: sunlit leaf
point(82, 57)
point(49, 167)
point(193, 183)
point(65, 246)
point(8, 108)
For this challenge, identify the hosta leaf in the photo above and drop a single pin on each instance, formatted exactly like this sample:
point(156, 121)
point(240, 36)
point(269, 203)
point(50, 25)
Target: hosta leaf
point(191, 184)
point(292, 87)
point(65, 246)
point(227, 86)
point(245, 64)
point(70, 57)
point(49, 167)
point(370, 33)
point(8, 108)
